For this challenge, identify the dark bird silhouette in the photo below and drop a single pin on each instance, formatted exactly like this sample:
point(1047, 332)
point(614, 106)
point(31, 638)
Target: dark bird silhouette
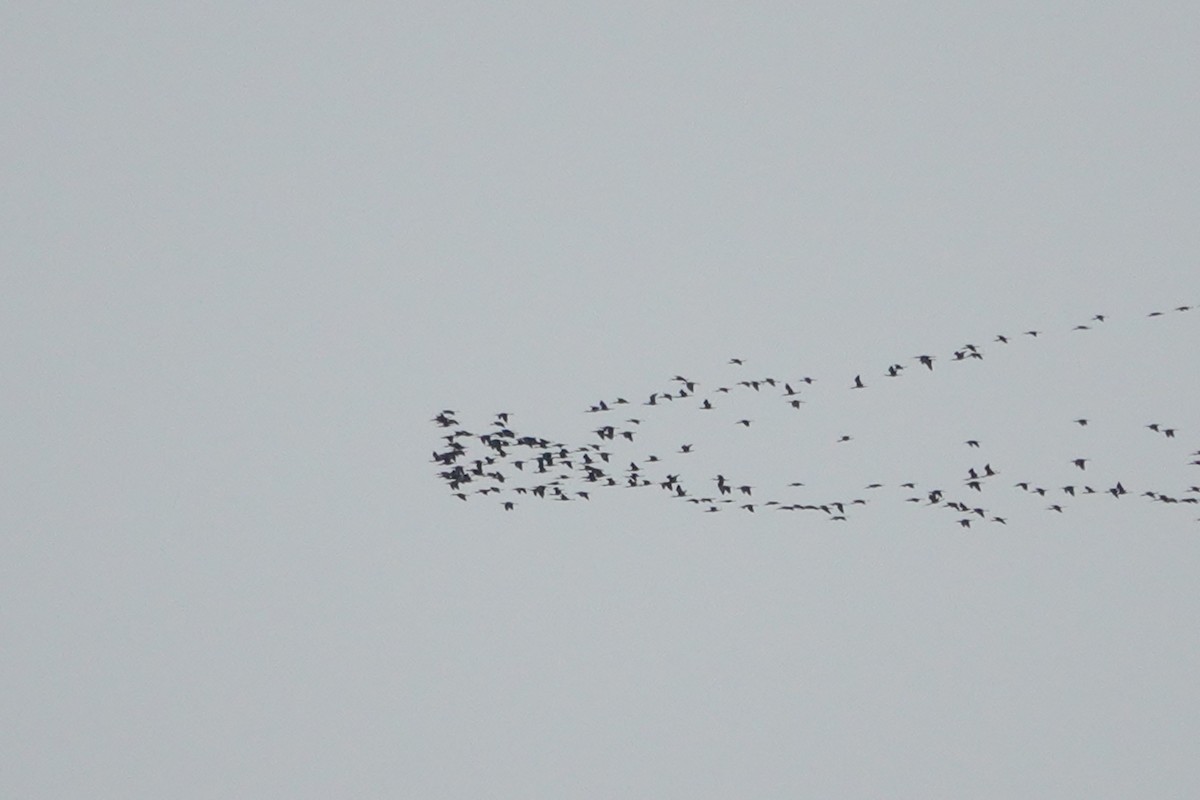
point(1080, 462)
point(858, 384)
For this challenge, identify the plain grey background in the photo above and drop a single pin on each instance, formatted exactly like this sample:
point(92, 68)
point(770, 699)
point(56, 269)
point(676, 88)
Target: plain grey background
point(249, 250)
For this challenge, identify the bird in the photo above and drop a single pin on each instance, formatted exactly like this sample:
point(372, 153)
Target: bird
point(858, 384)
point(1080, 462)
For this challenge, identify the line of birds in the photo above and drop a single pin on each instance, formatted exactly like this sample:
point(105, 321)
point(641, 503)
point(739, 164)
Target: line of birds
point(556, 470)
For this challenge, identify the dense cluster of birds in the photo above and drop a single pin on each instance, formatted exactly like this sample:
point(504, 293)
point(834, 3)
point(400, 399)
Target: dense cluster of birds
point(504, 465)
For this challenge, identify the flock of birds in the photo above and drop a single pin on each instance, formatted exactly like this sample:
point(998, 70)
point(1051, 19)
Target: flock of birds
point(504, 465)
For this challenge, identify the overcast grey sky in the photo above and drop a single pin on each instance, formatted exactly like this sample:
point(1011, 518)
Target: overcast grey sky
point(249, 252)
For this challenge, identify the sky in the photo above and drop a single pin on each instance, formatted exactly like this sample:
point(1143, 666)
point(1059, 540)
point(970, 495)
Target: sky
point(249, 253)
